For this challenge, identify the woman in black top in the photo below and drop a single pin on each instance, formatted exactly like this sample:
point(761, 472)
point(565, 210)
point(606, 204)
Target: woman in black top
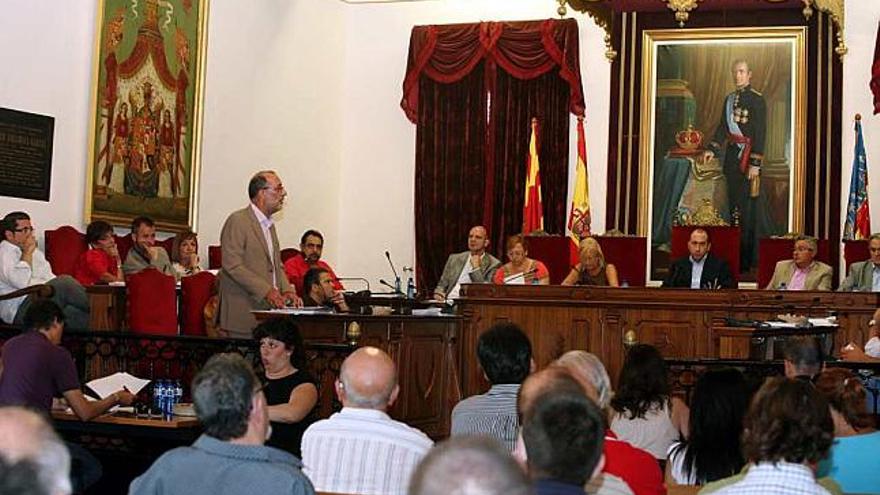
point(290, 390)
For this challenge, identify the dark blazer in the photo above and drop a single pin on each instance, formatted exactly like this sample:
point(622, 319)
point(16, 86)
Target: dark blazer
point(716, 273)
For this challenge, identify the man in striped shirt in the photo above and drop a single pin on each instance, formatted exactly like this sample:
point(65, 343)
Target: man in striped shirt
point(505, 355)
point(360, 449)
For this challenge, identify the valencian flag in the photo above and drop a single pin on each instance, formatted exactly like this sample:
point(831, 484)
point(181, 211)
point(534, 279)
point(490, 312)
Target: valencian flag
point(579, 218)
point(533, 210)
point(858, 218)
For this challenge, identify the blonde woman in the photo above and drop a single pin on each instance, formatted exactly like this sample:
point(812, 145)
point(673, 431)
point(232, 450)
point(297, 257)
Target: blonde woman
point(592, 268)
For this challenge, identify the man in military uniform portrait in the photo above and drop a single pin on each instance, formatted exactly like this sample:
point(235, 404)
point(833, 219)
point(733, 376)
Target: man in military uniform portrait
point(742, 131)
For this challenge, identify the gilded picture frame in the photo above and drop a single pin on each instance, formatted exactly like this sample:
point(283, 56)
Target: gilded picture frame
point(146, 120)
point(691, 103)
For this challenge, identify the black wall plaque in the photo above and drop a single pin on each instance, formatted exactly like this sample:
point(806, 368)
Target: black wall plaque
point(25, 154)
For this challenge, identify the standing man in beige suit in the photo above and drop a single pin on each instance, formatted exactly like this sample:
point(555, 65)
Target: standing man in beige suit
point(253, 275)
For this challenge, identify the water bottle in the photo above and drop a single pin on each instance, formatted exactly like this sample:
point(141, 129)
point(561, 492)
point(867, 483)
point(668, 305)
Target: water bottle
point(624, 283)
point(158, 396)
point(178, 392)
point(410, 288)
point(168, 401)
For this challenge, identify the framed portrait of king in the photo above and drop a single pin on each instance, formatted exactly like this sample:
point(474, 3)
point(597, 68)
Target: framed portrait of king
point(146, 111)
point(722, 135)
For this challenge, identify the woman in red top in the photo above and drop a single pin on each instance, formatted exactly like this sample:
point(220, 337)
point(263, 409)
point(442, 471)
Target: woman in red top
point(100, 264)
point(521, 269)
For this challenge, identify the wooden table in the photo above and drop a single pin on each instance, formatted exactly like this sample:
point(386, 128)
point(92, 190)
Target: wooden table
point(130, 419)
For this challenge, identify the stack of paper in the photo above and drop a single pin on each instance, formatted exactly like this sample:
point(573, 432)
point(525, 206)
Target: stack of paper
point(106, 386)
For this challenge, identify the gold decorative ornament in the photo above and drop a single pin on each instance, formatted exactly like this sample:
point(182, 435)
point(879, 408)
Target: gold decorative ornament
point(630, 338)
point(353, 332)
point(682, 9)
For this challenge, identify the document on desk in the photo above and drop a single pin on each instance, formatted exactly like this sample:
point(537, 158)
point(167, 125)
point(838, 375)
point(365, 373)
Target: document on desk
point(515, 279)
point(105, 387)
point(308, 310)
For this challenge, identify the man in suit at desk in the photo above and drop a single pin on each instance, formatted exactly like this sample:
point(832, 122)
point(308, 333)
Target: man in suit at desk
point(802, 272)
point(253, 276)
point(700, 269)
point(472, 266)
point(864, 276)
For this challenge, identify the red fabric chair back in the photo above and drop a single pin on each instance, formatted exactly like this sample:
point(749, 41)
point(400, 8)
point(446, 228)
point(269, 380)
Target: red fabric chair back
point(195, 291)
point(553, 251)
point(123, 244)
point(629, 255)
point(288, 253)
point(854, 251)
point(168, 244)
point(64, 246)
point(771, 251)
point(725, 244)
point(215, 259)
point(152, 302)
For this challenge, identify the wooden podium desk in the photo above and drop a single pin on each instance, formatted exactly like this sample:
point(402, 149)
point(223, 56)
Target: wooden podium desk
point(682, 323)
point(424, 348)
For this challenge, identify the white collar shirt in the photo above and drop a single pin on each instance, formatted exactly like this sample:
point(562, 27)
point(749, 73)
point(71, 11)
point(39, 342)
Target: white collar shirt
point(697, 271)
point(464, 277)
point(17, 274)
point(362, 451)
point(266, 226)
point(875, 278)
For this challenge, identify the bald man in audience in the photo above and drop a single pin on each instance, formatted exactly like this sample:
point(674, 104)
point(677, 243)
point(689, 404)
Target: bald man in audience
point(26, 436)
point(474, 266)
point(469, 465)
point(360, 449)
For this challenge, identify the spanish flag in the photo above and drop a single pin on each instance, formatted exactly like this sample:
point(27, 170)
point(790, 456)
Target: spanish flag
point(533, 210)
point(579, 219)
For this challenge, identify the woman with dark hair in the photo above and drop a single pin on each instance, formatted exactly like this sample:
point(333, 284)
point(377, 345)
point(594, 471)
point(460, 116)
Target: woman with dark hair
point(185, 254)
point(712, 450)
point(644, 413)
point(852, 461)
point(520, 269)
point(290, 390)
point(101, 262)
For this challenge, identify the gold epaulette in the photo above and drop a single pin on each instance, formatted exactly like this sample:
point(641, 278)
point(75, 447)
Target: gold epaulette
point(753, 90)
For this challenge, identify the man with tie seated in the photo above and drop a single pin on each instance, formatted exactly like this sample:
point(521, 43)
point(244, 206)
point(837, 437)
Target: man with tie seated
point(253, 276)
point(700, 269)
point(472, 266)
point(864, 276)
point(802, 272)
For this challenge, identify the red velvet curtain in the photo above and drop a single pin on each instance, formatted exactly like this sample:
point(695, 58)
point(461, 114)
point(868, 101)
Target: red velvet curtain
point(469, 164)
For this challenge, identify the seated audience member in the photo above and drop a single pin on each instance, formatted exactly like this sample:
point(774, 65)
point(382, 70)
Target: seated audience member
point(871, 351)
point(864, 276)
point(290, 390)
point(644, 412)
point(521, 269)
point(101, 263)
point(700, 269)
point(22, 265)
point(185, 254)
point(474, 266)
point(712, 449)
point(592, 269)
point(20, 478)
point(26, 438)
point(36, 368)
point(801, 272)
point(320, 291)
point(505, 355)
point(802, 357)
point(230, 457)
point(144, 252)
point(469, 466)
point(563, 433)
point(636, 467)
point(360, 449)
point(853, 461)
point(787, 430)
point(311, 245)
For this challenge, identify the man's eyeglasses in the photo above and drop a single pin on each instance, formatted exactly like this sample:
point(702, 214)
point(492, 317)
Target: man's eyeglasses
point(25, 229)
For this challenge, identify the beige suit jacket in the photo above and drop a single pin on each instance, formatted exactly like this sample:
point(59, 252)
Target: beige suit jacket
point(246, 276)
point(818, 278)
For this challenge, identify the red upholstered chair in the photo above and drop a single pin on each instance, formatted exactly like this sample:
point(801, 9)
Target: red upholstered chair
point(854, 251)
point(168, 244)
point(629, 255)
point(123, 244)
point(288, 253)
point(195, 291)
point(64, 246)
point(725, 244)
point(215, 260)
point(771, 251)
point(554, 251)
point(152, 302)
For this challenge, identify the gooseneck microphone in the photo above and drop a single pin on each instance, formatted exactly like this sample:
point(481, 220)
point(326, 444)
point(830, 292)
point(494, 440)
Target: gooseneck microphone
point(386, 284)
point(394, 271)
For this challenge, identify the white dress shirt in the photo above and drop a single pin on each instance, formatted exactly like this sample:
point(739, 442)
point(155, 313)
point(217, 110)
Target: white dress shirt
point(362, 451)
point(463, 278)
point(697, 271)
point(17, 274)
point(266, 224)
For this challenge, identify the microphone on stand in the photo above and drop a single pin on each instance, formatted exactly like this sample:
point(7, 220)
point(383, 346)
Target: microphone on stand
point(394, 271)
point(386, 284)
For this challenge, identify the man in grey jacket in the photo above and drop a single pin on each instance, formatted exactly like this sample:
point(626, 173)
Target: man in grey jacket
point(864, 276)
point(473, 266)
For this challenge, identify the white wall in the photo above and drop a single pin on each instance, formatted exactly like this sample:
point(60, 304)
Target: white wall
point(312, 88)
